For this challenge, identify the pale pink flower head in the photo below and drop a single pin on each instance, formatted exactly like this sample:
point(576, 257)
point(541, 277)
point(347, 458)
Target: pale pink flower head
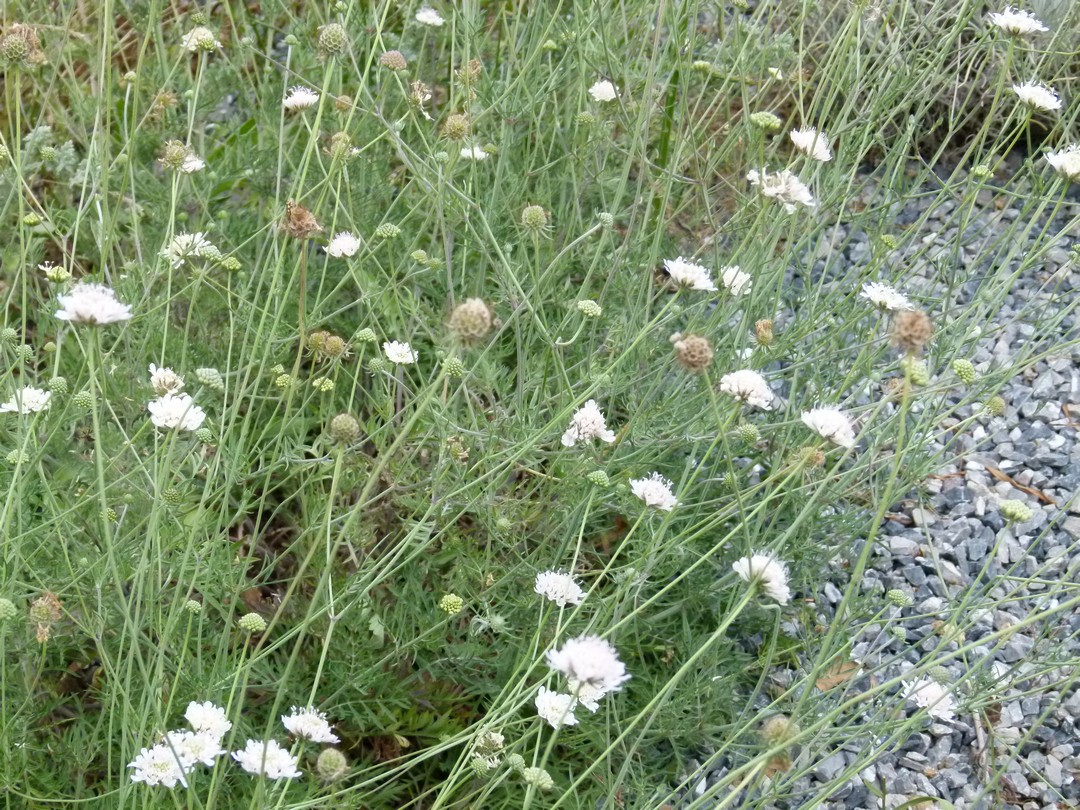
point(832, 424)
point(655, 490)
point(92, 304)
point(932, 696)
point(770, 573)
point(558, 587)
point(784, 187)
point(555, 708)
point(309, 724)
point(267, 759)
point(590, 660)
point(586, 424)
point(812, 143)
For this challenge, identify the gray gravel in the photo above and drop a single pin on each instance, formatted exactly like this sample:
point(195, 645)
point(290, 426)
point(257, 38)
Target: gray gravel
point(1015, 743)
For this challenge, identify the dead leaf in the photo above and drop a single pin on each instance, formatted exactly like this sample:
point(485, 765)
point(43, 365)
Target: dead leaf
point(838, 673)
point(1008, 479)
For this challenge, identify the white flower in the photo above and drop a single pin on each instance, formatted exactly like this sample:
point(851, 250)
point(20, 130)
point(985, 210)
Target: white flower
point(192, 163)
point(933, 697)
point(560, 588)
point(92, 304)
point(811, 142)
point(555, 708)
point(736, 281)
point(28, 400)
point(748, 386)
point(300, 98)
point(158, 766)
point(1016, 22)
point(586, 694)
point(206, 718)
point(784, 187)
point(770, 572)
point(1066, 162)
point(165, 381)
point(588, 423)
point(342, 245)
point(474, 153)
point(603, 91)
point(590, 660)
point(268, 759)
point(885, 297)
point(655, 491)
point(193, 748)
point(831, 424)
point(185, 246)
point(1038, 96)
point(429, 16)
point(687, 274)
point(176, 411)
point(400, 352)
point(310, 724)
point(200, 37)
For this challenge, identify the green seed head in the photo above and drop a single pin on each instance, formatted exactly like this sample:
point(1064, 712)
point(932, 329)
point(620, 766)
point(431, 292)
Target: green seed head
point(1016, 511)
point(211, 378)
point(7, 610)
point(388, 230)
point(376, 365)
point(899, 598)
point(205, 435)
point(171, 496)
point(366, 336)
point(598, 478)
point(454, 367)
point(996, 406)
point(534, 218)
point(193, 607)
point(749, 434)
point(344, 429)
point(252, 623)
point(965, 371)
point(331, 764)
point(83, 399)
point(333, 40)
point(58, 386)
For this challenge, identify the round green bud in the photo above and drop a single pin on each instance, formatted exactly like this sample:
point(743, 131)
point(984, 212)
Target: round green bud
point(366, 336)
point(701, 66)
point(331, 764)
point(590, 309)
point(900, 598)
point(376, 365)
point(889, 241)
point(1016, 511)
point(939, 674)
point(982, 172)
point(291, 40)
point(83, 399)
point(8, 335)
point(47, 154)
point(515, 762)
point(550, 45)
point(230, 264)
point(7, 610)
point(585, 119)
point(778, 729)
point(171, 496)
point(344, 428)
point(211, 378)
point(441, 157)
point(4, 153)
point(598, 478)
point(534, 218)
point(17, 456)
point(452, 604)
point(607, 221)
point(766, 121)
point(252, 623)
point(898, 632)
point(420, 257)
point(24, 353)
point(198, 18)
point(749, 434)
point(916, 368)
point(193, 607)
point(503, 524)
point(454, 367)
point(388, 230)
point(58, 386)
point(965, 371)
point(49, 348)
point(538, 778)
point(996, 406)
point(283, 381)
point(323, 384)
point(110, 515)
point(205, 435)
point(30, 220)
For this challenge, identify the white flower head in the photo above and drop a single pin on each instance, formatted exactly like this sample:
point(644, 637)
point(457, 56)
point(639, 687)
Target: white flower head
point(748, 386)
point(300, 98)
point(586, 694)
point(158, 766)
point(560, 588)
point(92, 304)
point(603, 91)
point(1066, 162)
point(165, 381)
point(400, 352)
point(687, 274)
point(813, 143)
point(590, 660)
point(176, 411)
point(187, 246)
point(429, 16)
point(784, 187)
point(267, 759)
point(27, 400)
point(206, 718)
point(736, 281)
point(933, 697)
point(309, 724)
point(1038, 96)
point(1016, 22)
point(832, 424)
point(770, 572)
point(655, 490)
point(192, 163)
point(193, 748)
point(342, 245)
point(587, 423)
point(555, 708)
point(201, 37)
point(474, 153)
point(885, 297)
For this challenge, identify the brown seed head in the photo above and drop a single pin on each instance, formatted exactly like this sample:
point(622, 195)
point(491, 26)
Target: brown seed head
point(393, 60)
point(779, 729)
point(471, 320)
point(693, 352)
point(44, 613)
point(298, 222)
point(20, 46)
point(763, 332)
point(911, 331)
point(456, 127)
point(173, 154)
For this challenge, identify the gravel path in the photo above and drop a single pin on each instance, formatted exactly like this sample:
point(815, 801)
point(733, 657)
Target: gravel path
point(952, 551)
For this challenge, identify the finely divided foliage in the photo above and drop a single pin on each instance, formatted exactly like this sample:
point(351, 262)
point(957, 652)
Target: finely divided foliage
point(365, 446)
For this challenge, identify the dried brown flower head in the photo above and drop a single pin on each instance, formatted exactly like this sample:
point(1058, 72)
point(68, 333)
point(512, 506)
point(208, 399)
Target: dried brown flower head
point(44, 613)
point(20, 46)
point(763, 332)
point(393, 60)
point(911, 331)
point(298, 222)
point(456, 127)
point(471, 320)
point(692, 352)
